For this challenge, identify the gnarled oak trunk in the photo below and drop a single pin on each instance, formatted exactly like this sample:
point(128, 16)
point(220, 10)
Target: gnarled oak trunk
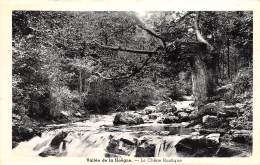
point(199, 80)
point(202, 70)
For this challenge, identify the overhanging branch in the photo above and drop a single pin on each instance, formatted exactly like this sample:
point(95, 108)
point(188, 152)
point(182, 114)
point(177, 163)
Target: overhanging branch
point(141, 25)
point(118, 48)
point(198, 34)
point(150, 31)
point(127, 75)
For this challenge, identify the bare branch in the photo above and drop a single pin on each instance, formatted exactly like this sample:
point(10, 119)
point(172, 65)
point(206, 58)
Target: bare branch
point(198, 34)
point(150, 31)
point(118, 48)
point(127, 75)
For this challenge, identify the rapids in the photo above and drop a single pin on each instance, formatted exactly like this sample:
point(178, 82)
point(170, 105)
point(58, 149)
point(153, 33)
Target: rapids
point(91, 137)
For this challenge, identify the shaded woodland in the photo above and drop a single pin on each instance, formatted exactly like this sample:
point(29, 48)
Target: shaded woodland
point(69, 65)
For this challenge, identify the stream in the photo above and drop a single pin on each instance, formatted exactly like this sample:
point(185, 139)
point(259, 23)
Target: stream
point(90, 138)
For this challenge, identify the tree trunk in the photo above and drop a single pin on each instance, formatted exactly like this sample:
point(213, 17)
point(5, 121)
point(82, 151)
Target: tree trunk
point(199, 80)
point(80, 85)
point(203, 70)
point(228, 55)
point(223, 67)
point(235, 70)
point(203, 78)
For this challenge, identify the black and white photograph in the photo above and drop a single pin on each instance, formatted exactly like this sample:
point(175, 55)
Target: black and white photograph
point(132, 84)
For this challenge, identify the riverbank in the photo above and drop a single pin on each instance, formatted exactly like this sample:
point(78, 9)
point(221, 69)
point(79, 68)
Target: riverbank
point(168, 129)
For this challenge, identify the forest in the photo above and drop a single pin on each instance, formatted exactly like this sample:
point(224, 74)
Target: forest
point(159, 73)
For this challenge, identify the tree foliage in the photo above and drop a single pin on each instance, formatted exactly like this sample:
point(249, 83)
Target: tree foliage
point(73, 61)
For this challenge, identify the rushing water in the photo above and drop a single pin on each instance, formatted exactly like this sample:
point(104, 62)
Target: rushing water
point(91, 137)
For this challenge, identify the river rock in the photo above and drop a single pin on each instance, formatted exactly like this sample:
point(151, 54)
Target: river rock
point(223, 89)
point(146, 149)
point(242, 136)
point(187, 110)
point(194, 115)
point(154, 116)
point(214, 137)
point(128, 118)
point(120, 146)
point(56, 141)
point(129, 141)
point(208, 109)
point(170, 119)
point(212, 130)
point(50, 152)
point(54, 149)
point(183, 116)
point(24, 132)
point(198, 146)
point(21, 133)
point(165, 107)
point(228, 151)
point(229, 111)
point(210, 121)
point(146, 118)
point(149, 110)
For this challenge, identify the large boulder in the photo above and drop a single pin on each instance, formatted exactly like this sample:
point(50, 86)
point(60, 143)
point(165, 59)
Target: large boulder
point(56, 141)
point(22, 133)
point(170, 119)
point(154, 116)
point(54, 147)
point(165, 107)
point(121, 146)
point(198, 146)
point(146, 118)
point(50, 151)
point(149, 110)
point(194, 115)
point(242, 136)
point(210, 121)
point(217, 108)
point(209, 109)
point(146, 149)
point(128, 118)
point(214, 138)
point(228, 151)
point(229, 111)
point(224, 89)
point(183, 116)
point(212, 130)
